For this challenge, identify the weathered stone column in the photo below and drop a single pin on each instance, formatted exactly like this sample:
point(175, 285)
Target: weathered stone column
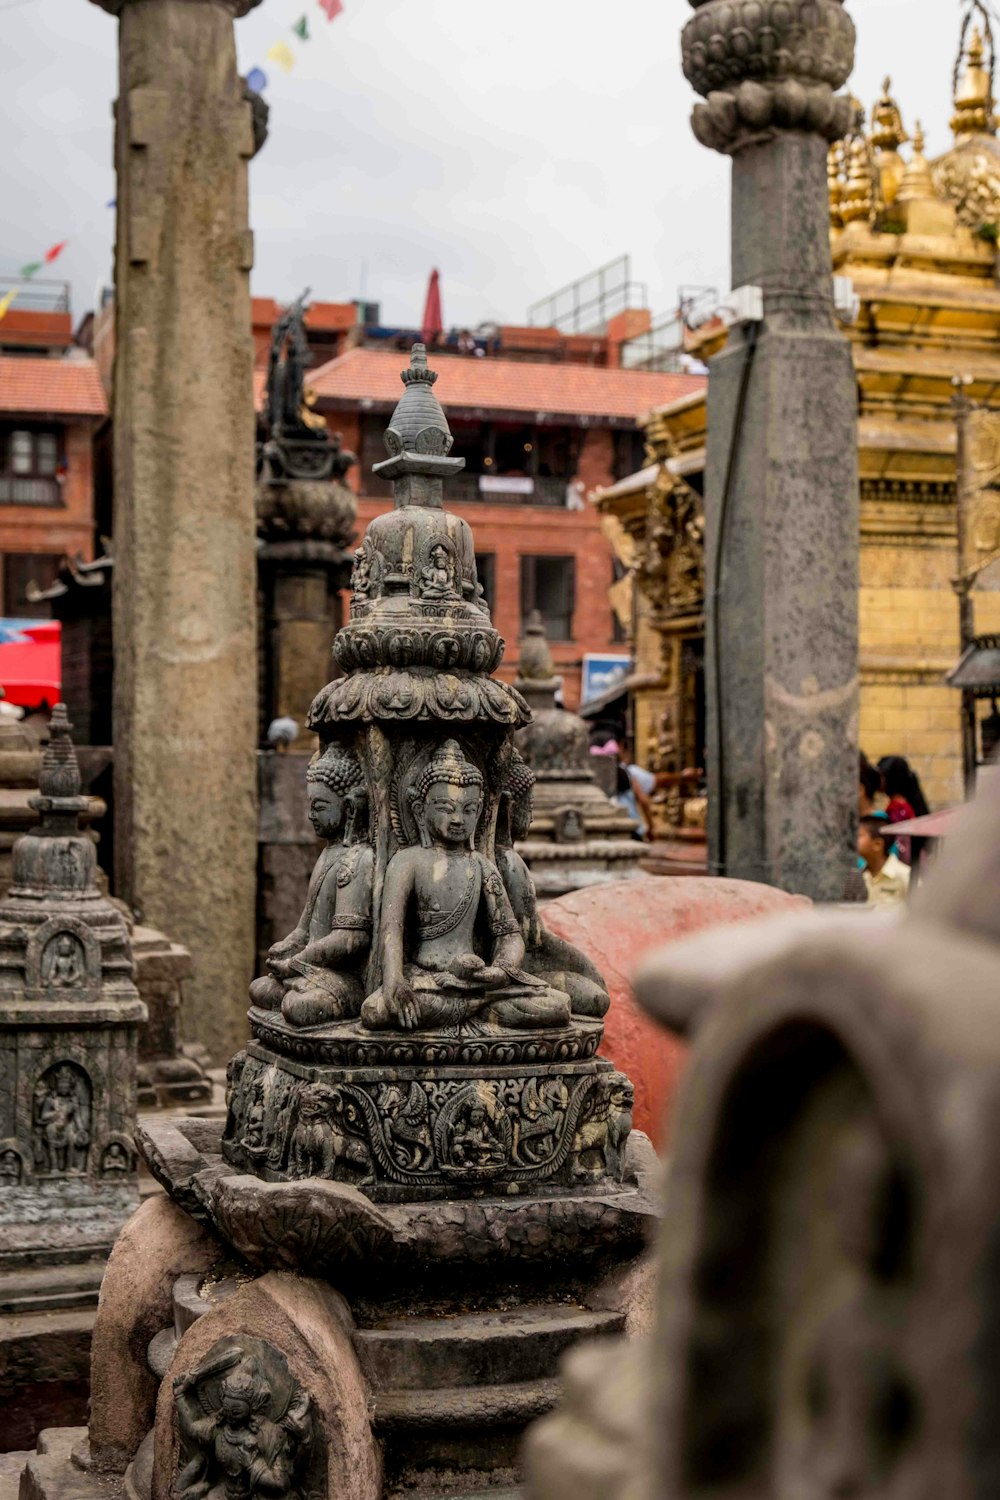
point(185, 692)
point(781, 484)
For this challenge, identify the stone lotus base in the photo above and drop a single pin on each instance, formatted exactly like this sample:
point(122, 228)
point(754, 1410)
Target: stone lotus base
point(427, 1114)
point(335, 1229)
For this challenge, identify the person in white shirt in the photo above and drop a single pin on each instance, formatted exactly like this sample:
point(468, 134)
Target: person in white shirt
point(886, 877)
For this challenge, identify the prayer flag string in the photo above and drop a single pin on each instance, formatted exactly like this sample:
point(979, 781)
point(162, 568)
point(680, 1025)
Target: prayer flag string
point(281, 54)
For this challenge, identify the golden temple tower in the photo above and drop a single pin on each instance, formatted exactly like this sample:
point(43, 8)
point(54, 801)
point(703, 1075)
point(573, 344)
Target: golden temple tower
point(917, 235)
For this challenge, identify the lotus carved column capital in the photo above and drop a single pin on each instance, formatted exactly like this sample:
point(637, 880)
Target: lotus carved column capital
point(764, 66)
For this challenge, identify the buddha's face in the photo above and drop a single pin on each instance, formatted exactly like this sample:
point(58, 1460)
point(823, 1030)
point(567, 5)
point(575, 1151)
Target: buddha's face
point(451, 812)
point(326, 810)
point(520, 816)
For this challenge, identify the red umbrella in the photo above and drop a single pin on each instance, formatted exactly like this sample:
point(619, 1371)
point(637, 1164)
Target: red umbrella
point(432, 326)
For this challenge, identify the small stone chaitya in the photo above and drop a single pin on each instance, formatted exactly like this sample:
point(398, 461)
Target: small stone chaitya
point(417, 1025)
point(69, 1019)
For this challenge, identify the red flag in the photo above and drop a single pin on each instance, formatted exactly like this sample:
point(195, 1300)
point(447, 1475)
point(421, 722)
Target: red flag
point(56, 250)
point(331, 8)
point(432, 326)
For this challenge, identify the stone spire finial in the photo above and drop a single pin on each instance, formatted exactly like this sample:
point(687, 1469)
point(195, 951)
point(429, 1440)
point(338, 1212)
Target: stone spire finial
point(535, 664)
point(974, 103)
point(60, 773)
point(418, 425)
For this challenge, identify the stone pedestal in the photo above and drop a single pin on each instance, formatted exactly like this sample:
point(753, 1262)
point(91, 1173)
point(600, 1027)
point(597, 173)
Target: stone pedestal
point(300, 584)
point(781, 499)
point(185, 721)
point(69, 1018)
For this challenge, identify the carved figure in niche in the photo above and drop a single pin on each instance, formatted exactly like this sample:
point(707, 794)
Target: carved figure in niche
point(546, 956)
point(253, 1135)
point(852, 1405)
point(11, 1168)
point(366, 576)
point(619, 1125)
point(444, 887)
point(62, 1120)
point(406, 1121)
point(474, 1138)
point(315, 973)
point(543, 1108)
point(568, 826)
point(321, 1141)
point(437, 579)
point(63, 962)
point(115, 1162)
point(243, 1434)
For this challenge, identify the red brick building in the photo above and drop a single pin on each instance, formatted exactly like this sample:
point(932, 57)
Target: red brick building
point(51, 401)
point(534, 435)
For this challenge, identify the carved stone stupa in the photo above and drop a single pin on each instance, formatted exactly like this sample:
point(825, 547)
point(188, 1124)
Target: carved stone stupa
point(410, 965)
point(69, 1018)
point(419, 1127)
point(577, 836)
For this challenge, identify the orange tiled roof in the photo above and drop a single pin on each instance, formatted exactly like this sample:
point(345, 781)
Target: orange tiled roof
point(505, 384)
point(56, 387)
point(328, 316)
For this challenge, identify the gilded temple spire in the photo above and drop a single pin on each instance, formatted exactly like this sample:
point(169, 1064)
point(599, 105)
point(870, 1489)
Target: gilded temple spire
point(917, 182)
point(858, 198)
point(974, 101)
point(888, 133)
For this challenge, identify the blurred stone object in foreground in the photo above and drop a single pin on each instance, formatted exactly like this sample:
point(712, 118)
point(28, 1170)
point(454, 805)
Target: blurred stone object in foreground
point(830, 1237)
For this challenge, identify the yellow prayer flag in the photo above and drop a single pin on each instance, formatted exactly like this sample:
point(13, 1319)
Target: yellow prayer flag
point(6, 300)
point(283, 55)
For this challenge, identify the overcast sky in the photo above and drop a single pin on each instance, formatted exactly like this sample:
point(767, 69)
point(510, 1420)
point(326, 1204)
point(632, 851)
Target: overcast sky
point(515, 144)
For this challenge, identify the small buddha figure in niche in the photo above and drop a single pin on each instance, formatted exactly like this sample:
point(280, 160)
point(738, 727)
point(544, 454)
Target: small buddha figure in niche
point(443, 902)
point(62, 962)
point(546, 956)
point(315, 974)
point(437, 580)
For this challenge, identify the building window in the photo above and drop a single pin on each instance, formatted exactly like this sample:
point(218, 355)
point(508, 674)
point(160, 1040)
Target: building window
point(30, 463)
point(548, 584)
point(486, 570)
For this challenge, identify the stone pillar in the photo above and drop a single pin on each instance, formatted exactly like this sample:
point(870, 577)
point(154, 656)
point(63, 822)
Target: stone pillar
point(185, 691)
point(781, 499)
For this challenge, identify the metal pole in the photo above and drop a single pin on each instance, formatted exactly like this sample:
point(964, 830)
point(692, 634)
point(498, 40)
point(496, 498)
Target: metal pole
point(963, 585)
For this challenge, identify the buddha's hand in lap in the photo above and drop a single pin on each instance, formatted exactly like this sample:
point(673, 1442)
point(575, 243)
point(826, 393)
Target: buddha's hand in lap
point(493, 978)
point(467, 966)
point(280, 968)
point(402, 1003)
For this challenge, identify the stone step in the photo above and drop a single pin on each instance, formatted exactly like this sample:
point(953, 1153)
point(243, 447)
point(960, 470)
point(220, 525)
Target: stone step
point(485, 1349)
point(52, 1474)
point(458, 1407)
point(50, 1288)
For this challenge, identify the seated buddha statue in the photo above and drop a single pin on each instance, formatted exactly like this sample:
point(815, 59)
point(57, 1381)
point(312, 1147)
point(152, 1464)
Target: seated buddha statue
point(450, 946)
point(316, 974)
point(546, 956)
